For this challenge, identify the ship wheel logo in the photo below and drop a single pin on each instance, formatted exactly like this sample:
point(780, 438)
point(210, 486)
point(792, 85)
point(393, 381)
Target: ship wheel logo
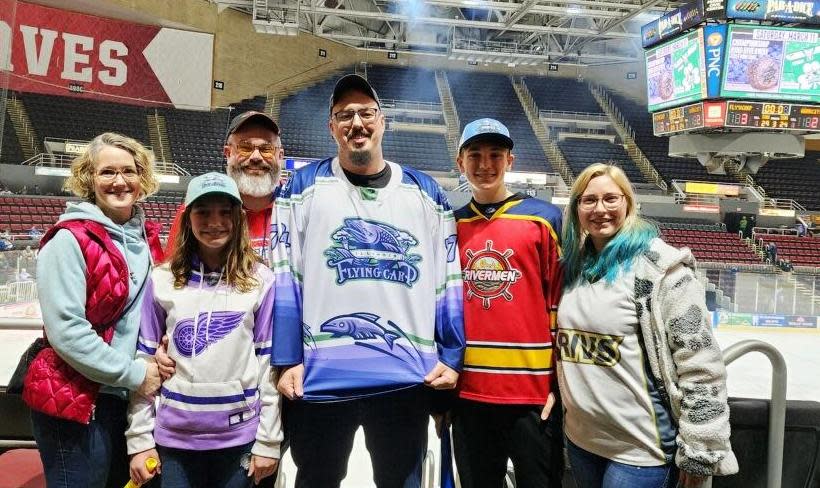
point(489, 274)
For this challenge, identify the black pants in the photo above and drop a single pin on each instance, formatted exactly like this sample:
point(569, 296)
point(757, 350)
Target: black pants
point(486, 435)
point(395, 431)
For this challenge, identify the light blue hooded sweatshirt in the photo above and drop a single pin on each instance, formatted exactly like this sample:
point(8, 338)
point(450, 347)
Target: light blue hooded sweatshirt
point(61, 285)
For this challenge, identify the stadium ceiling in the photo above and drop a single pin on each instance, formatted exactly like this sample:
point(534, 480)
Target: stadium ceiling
point(517, 32)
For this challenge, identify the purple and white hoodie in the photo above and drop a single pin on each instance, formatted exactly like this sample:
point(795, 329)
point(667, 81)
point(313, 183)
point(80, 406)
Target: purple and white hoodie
point(222, 394)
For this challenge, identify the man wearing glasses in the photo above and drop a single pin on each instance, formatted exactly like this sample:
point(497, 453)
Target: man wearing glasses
point(254, 155)
point(368, 311)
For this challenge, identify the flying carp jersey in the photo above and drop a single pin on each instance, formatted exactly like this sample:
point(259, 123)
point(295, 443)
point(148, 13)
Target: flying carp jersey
point(368, 282)
point(512, 285)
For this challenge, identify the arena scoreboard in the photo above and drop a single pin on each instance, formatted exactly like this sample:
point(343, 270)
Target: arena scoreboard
point(780, 116)
point(720, 116)
point(679, 119)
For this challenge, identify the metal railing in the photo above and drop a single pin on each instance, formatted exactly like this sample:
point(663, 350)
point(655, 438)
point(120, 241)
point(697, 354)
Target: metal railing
point(63, 161)
point(583, 116)
point(777, 407)
point(783, 203)
point(411, 106)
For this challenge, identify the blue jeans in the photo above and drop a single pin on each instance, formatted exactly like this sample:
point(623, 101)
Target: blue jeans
point(92, 455)
point(395, 432)
point(184, 468)
point(593, 471)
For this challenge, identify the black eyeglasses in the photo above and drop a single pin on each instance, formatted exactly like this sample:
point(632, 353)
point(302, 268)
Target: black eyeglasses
point(366, 114)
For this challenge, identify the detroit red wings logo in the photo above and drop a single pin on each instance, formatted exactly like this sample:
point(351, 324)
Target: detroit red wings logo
point(489, 274)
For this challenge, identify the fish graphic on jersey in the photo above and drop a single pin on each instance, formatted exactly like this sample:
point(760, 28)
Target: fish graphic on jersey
point(365, 330)
point(209, 330)
point(359, 326)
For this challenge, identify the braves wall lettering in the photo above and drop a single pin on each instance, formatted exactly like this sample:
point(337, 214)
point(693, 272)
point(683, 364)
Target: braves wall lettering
point(59, 52)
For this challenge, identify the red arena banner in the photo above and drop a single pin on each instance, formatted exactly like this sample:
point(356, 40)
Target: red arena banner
point(59, 52)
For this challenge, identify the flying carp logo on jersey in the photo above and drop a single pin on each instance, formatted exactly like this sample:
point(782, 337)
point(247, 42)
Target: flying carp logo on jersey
point(209, 328)
point(489, 274)
point(372, 250)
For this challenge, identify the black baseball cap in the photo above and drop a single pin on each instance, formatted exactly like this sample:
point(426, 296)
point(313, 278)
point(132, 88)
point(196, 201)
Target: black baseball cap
point(349, 83)
point(252, 115)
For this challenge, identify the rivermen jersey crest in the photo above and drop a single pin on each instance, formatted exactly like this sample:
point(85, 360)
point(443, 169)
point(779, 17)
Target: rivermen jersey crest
point(512, 287)
point(488, 274)
point(368, 287)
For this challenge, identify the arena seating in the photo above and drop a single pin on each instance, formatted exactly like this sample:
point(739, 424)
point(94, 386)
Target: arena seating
point(303, 118)
point(709, 245)
point(420, 150)
point(19, 213)
point(397, 83)
point(256, 103)
point(801, 251)
point(581, 152)
point(657, 148)
point(84, 119)
point(479, 95)
point(197, 138)
point(787, 178)
point(10, 151)
point(562, 94)
point(679, 223)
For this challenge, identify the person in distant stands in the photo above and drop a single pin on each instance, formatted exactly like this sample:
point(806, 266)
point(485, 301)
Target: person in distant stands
point(254, 157)
point(35, 233)
point(5, 242)
point(93, 266)
point(508, 395)
point(646, 405)
point(368, 309)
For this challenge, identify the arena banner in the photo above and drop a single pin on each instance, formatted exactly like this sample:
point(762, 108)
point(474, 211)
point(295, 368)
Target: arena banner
point(797, 11)
point(58, 52)
point(790, 321)
point(724, 319)
point(672, 23)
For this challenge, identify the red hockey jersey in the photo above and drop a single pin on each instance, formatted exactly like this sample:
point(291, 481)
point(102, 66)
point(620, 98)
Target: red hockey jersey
point(512, 285)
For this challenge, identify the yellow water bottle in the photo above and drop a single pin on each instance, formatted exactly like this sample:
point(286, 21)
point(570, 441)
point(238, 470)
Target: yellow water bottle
point(151, 464)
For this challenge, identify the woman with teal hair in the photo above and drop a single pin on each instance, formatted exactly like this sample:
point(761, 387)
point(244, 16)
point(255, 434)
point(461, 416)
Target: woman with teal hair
point(641, 375)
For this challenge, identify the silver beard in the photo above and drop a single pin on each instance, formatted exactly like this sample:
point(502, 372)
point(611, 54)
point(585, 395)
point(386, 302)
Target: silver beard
point(254, 186)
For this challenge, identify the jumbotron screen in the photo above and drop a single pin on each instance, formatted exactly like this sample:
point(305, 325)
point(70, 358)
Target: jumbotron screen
point(675, 71)
point(772, 63)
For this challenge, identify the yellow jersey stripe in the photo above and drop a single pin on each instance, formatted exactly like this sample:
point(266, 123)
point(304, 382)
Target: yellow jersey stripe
point(507, 358)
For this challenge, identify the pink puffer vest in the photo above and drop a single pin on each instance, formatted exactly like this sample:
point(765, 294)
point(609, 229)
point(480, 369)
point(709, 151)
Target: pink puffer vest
point(52, 386)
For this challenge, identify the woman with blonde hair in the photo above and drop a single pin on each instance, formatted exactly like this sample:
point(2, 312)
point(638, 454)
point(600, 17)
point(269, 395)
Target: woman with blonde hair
point(641, 375)
point(91, 270)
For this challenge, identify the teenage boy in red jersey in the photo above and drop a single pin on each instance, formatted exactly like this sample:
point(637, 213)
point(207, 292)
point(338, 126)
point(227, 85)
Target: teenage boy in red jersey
point(508, 405)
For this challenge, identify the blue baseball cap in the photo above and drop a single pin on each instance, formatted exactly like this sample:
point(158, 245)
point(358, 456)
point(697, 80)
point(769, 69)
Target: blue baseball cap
point(485, 129)
point(212, 183)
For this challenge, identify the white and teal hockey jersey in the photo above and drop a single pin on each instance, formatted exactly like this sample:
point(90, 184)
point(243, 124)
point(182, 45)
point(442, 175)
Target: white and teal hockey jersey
point(368, 282)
